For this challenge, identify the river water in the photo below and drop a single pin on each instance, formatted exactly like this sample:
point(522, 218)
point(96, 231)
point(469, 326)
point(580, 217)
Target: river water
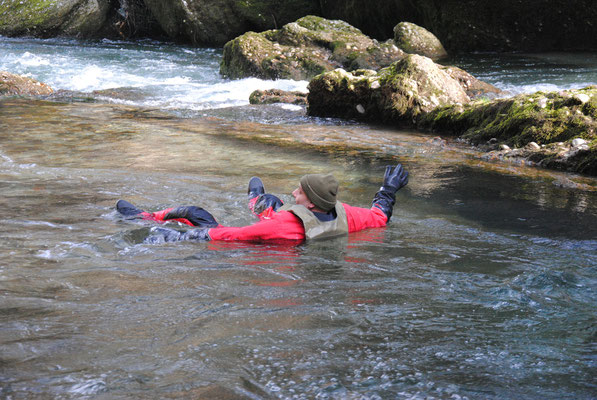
point(483, 286)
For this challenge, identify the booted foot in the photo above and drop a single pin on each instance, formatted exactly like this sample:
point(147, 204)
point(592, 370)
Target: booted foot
point(127, 209)
point(255, 187)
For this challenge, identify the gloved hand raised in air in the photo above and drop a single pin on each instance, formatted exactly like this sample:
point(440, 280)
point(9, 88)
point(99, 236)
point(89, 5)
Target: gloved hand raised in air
point(394, 179)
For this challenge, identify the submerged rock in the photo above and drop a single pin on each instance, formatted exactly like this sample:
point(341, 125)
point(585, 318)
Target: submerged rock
point(11, 84)
point(414, 39)
point(396, 94)
point(304, 49)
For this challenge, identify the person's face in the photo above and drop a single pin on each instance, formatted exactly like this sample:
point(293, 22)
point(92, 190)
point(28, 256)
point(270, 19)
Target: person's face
point(301, 198)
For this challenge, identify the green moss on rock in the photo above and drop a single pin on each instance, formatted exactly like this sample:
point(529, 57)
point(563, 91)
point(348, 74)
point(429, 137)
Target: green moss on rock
point(540, 117)
point(414, 39)
point(51, 17)
point(303, 49)
point(18, 16)
point(396, 94)
point(552, 120)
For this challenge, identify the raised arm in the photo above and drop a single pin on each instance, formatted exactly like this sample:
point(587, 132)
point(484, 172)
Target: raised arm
point(395, 178)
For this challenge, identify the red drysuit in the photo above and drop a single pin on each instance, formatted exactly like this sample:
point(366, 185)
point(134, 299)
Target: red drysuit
point(285, 225)
point(282, 225)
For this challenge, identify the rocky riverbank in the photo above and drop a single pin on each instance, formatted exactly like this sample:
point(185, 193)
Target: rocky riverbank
point(556, 130)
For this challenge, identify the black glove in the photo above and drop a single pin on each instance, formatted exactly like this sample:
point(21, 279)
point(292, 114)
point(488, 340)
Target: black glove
point(196, 234)
point(159, 235)
point(196, 215)
point(266, 201)
point(393, 180)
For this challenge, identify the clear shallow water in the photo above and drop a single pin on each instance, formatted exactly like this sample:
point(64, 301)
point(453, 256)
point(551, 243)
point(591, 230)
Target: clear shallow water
point(483, 285)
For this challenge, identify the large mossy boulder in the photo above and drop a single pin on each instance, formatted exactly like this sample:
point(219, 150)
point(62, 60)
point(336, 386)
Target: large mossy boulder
point(414, 39)
point(396, 94)
point(45, 18)
point(11, 84)
point(304, 49)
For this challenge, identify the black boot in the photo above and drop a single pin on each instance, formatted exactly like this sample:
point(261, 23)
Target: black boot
point(255, 187)
point(127, 209)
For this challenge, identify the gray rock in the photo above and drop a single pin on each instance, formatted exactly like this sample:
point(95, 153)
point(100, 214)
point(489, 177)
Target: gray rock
point(474, 87)
point(407, 88)
point(11, 84)
point(583, 98)
point(414, 39)
point(272, 96)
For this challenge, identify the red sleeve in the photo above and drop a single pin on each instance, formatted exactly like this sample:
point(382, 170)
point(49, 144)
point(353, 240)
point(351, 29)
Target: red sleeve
point(281, 225)
point(159, 216)
point(363, 218)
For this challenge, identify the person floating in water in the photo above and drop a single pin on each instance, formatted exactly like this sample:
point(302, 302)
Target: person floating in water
point(316, 213)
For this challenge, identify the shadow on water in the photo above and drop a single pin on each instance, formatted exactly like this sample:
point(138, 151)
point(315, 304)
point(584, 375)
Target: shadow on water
point(511, 203)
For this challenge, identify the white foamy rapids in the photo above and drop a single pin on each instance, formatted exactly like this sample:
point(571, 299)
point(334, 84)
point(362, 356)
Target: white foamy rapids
point(174, 78)
point(94, 77)
point(32, 60)
point(197, 96)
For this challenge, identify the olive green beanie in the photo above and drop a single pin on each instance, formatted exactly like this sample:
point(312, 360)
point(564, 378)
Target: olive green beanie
point(321, 190)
